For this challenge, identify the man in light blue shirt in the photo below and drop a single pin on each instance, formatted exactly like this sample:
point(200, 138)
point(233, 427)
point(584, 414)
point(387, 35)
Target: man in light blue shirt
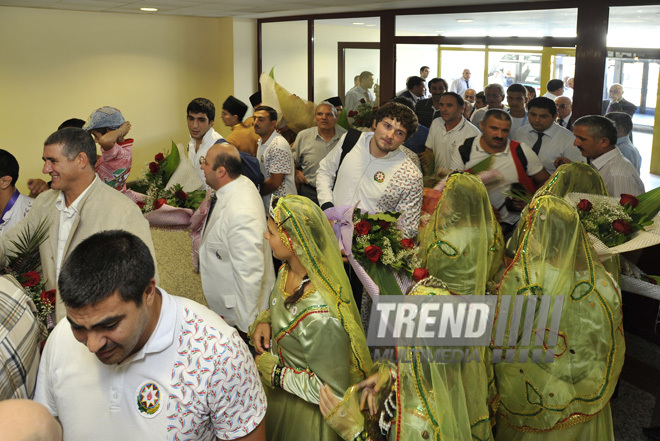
point(624, 126)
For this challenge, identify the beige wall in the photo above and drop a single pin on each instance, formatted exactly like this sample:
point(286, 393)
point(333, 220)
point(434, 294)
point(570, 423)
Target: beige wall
point(62, 64)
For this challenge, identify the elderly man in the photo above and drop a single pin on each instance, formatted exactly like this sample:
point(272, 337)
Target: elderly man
point(376, 174)
point(494, 94)
point(275, 158)
point(624, 126)
point(595, 137)
point(360, 92)
point(552, 144)
point(77, 206)
point(242, 135)
point(235, 259)
point(312, 145)
point(516, 162)
point(429, 109)
point(449, 131)
point(201, 116)
point(564, 112)
point(462, 84)
point(618, 103)
point(134, 362)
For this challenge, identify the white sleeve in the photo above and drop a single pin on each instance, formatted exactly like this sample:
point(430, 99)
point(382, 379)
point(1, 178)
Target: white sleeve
point(534, 164)
point(44, 389)
point(456, 162)
point(327, 173)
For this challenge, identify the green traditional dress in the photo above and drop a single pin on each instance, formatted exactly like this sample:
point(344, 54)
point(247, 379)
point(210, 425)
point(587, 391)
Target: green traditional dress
point(568, 398)
point(316, 340)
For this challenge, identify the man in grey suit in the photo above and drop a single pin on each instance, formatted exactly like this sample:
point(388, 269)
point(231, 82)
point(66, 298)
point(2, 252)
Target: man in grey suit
point(78, 205)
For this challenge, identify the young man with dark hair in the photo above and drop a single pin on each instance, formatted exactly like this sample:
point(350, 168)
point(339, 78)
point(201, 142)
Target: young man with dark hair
point(14, 206)
point(516, 98)
point(375, 173)
point(275, 156)
point(415, 89)
point(429, 109)
point(133, 362)
point(77, 206)
point(624, 126)
point(201, 116)
point(555, 89)
point(242, 135)
point(552, 143)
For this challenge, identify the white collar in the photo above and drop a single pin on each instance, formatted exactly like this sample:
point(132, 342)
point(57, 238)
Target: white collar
point(72, 209)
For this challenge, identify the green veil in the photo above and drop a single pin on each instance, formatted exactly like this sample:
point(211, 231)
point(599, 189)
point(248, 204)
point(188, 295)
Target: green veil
point(462, 244)
point(303, 226)
point(572, 393)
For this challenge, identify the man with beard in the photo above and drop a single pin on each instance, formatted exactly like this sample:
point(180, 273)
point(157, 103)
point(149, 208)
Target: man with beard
point(429, 109)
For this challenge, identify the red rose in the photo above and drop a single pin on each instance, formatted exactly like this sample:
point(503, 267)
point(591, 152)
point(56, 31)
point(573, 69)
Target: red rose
point(628, 199)
point(352, 113)
point(384, 225)
point(408, 243)
point(585, 205)
point(373, 253)
point(159, 203)
point(48, 296)
point(420, 274)
point(363, 227)
point(622, 227)
point(140, 204)
point(181, 195)
point(32, 278)
point(159, 157)
point(154, 167)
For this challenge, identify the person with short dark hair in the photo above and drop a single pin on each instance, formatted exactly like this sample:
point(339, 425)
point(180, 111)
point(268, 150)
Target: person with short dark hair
point(424, 72)
point(77, 206)
point(235, 262)
point(415, 89)
point(429, 109)
point(14, 206)
point(201, 116)
point(552, 143)
point(360, 93)
point(275, 156)
point(624, 126)
point(134, 362)
point(516, 98)
point(375, 174)
point(242, 135)
point(531, 93)
point(506, 158)
point(555, 89)
point(596, 137)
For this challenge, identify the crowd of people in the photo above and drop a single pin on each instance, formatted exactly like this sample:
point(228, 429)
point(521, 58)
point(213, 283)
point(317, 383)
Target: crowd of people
point(281, 352)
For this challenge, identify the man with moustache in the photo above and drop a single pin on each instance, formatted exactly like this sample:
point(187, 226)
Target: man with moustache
point(506, 157)
point(376, 174)
point(429, 109)
point(449, 131)
point(312, 145)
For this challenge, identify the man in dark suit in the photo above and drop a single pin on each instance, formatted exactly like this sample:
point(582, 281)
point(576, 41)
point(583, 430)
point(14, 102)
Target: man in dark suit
point(617, 103)
point(415, 89)
point(564, 112)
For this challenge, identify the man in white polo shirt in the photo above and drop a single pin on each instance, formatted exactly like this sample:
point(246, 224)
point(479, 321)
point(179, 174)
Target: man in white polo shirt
point(201, 116)
point(133, 362)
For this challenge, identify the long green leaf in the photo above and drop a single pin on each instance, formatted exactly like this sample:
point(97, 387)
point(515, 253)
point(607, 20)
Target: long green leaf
point(173, 160)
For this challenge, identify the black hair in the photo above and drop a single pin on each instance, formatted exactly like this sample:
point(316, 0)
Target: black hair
point(541, 102)
point(103, 264)
point(72, 122)
point(272, 113)
point(599, 127)
point(8, 166)
point(554, 85)
point(202, 105)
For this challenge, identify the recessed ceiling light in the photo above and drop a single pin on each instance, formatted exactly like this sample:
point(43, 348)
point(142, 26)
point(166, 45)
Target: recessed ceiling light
point(149, 9)
point(464, 20)
point(370, 25)
point(358, 23)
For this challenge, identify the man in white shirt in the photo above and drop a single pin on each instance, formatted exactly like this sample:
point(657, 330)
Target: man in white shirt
point(376, 174)
point(235, 259)
point(516, 98)
point(13, 205)
point(133, 362)
point(360, 92)
point(595, 137)
point(507, 158)
point(78, 205)
point(553, 144)
point(460, 85)
point(555, 89)
point(275, 156)
point(564, 112)
point(201, 116)
point(624, 126)
point(449, 131)
point(494, 94)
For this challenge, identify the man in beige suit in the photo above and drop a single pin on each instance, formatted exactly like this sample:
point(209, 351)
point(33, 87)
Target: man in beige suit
point(77, 206)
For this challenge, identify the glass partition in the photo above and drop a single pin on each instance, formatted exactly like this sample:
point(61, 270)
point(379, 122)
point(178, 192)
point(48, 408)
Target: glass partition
point(410, 58)
point(284, 49)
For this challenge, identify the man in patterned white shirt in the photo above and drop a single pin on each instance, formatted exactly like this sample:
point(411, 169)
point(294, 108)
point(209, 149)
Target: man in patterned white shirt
point(376, 174)
point(134, 362)
point(275, 156)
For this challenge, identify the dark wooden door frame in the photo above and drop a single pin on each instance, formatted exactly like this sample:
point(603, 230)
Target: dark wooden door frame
point(341, 62)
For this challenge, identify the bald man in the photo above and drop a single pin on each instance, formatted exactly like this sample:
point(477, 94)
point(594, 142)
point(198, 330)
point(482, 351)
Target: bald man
point(564, 112)
point(618, 103)
point(27, 420)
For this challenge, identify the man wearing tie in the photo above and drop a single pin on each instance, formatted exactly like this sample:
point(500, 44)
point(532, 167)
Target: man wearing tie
point(360, 92)
point(564, 112)
point(460, 85)
point(235, 259)
point(415, 89)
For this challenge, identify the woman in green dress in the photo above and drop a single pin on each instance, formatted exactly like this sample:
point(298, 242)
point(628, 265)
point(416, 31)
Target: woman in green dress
point(312, 334)
point(567, 398)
